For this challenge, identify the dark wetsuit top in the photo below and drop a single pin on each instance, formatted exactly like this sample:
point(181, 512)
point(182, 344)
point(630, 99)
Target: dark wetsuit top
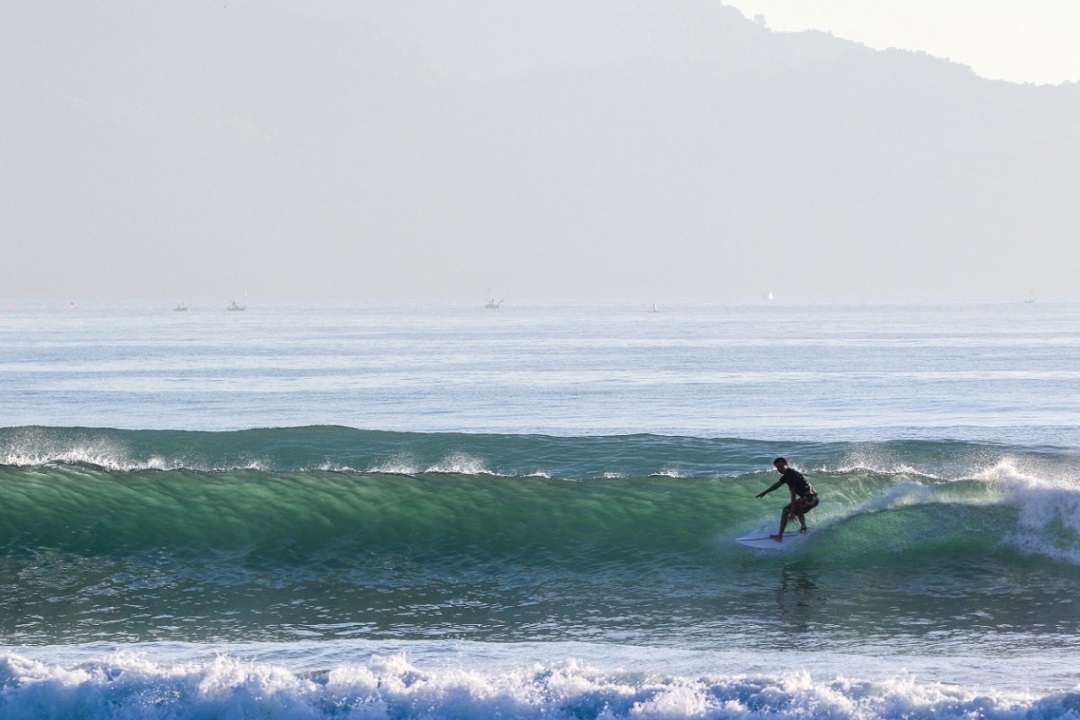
point(797, 482)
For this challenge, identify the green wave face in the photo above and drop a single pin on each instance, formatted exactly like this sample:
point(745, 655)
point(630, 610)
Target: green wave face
point(283, 533)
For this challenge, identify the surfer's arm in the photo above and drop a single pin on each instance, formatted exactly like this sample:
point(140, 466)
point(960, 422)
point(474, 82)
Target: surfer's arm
point(763, 493)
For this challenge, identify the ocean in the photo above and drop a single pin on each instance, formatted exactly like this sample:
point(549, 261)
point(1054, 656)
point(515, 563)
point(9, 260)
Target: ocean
point(449, 511)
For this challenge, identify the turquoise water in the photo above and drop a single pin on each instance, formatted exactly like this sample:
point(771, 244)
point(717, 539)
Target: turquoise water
point(454, 512)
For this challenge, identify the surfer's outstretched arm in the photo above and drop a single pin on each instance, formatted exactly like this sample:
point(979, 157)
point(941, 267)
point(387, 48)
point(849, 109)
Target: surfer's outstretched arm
point(763, 493)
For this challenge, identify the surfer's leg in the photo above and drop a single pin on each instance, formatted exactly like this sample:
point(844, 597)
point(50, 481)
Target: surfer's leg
point(806, 504)
point(784, 516)
point(800, 512)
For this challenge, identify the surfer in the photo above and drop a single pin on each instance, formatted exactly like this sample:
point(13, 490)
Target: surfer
point(803, 496)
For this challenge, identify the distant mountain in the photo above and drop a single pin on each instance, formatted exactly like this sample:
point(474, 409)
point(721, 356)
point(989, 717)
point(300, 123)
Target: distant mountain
point(587, 148)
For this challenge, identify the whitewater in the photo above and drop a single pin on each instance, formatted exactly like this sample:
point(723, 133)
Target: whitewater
point(436, 511)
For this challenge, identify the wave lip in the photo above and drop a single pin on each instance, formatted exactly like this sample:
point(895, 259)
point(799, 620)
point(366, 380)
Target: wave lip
point(350, 450)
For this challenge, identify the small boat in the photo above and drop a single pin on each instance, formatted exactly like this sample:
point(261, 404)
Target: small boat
point(492, 305)
point(233, 307)
point(181, 307)
point(653, 309)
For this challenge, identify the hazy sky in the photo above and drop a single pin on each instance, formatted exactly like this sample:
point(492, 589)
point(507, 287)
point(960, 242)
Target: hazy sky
point(643, 150)
point(1036, 41)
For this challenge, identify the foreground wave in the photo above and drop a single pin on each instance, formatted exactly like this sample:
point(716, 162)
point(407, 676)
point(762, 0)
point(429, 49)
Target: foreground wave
point(131, 685)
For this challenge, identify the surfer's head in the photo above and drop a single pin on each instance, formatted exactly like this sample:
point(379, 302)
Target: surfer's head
point(780, 464)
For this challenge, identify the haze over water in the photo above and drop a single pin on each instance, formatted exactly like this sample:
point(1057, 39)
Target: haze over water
point(633, 151)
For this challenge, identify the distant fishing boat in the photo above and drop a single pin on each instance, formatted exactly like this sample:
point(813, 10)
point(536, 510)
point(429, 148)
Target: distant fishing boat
point(492, 305)
point(181, 307)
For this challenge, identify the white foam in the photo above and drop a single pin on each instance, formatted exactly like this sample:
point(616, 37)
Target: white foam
point(129, 685)
point(453, 464)
point(1049, 505)
point(100, 454)
point(460, 464)
point(332, 467)
point(397, 465)
point(34, 449)
point(878, 463)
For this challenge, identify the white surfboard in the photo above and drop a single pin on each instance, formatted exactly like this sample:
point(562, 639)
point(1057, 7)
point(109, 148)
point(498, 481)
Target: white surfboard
point(764, 542)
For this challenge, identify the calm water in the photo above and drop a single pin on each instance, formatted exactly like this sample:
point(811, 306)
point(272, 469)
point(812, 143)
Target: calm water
point(986, 372)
